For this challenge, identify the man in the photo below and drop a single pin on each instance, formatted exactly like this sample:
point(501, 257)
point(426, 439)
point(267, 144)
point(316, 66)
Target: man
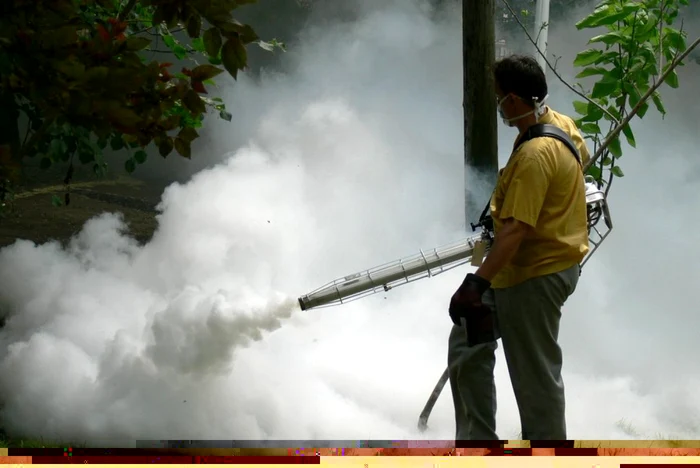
point(539, 214)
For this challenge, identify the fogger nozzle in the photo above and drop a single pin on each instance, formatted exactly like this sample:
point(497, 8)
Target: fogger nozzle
point(390, 275)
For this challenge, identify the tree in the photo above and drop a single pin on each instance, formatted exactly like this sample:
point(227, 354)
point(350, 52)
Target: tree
point(77, 72)
point(480, 130)
point(639, 52)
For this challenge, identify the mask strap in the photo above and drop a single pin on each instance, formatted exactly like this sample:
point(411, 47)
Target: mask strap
point(538, 110)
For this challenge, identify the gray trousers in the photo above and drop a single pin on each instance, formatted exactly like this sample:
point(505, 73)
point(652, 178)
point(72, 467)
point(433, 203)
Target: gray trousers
point(528, 319)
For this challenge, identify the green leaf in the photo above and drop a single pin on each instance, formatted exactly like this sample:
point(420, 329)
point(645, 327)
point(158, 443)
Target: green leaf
point(124, 116)
point(140, 156)
point(179, 51)
point(137, 42)
point(595, 172)
point(56, 201)
point(116, 143)
point(615, 147)
point(225, 115)
point(604, 88)
point(169, 41)
point(183, 147)
point(205, 72)
point(643, 110)
point(234, 56)
point(608, 15)
point(610, 38)
point(188, 134)
point(632, 93)
point(617, 171)
point(672, 79)
point(590, 20)
point(593, 113)
point(166, 146)
point(587, 57)
point(198, 44)
point(590, 128)
point(130, 165)
point(58, 149)
point(194, 26)
point(194, 103)
point(86, 156)
point(590, 71)
point(212, 42)
point(627, 130)
point(581, 107)
point(656, 97)
point(674, 39)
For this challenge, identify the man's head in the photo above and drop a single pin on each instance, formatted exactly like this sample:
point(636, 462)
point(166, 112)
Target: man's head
point(520, 86)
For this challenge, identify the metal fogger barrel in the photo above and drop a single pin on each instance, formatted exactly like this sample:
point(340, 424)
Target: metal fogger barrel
point(390, 275)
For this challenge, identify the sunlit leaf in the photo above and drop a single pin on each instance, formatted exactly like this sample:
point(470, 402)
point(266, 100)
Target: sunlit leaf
point(587, 57)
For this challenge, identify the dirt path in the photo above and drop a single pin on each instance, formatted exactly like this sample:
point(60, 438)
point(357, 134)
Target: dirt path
point(36, 219)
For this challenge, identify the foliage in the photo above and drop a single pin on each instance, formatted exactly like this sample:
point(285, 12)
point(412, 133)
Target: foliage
point(638, 46)
point(77, 71)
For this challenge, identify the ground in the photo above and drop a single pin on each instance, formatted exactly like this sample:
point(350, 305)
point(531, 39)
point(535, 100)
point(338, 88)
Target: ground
point(35, 218)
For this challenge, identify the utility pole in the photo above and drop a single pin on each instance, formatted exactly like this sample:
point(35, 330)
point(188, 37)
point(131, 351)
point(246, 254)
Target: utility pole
point(541, 30)
point(480, 129)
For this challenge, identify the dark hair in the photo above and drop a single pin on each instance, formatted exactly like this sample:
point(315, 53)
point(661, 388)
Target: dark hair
point(522, 76)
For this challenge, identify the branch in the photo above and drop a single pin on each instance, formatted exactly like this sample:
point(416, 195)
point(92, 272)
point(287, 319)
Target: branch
point(612, 135)
point(127, 9)
point(556, 73)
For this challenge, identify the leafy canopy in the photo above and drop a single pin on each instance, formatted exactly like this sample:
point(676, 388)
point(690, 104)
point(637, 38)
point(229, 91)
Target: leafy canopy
point(638, 46)
point(78, 71)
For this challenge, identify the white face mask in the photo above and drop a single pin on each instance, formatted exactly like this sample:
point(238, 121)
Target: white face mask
point(538, 111)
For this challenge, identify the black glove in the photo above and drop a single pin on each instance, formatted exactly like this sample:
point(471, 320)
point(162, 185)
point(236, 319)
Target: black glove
point(466, 303)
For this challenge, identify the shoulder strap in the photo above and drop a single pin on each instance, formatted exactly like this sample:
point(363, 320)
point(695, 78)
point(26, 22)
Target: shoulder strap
point(539, 131)
point(551, 131)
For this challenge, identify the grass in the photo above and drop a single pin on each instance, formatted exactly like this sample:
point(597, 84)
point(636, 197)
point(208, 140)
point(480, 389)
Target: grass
point(6, 442)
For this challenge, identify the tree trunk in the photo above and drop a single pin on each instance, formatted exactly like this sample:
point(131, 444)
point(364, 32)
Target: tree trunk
point(10, 163)
point(480, 129)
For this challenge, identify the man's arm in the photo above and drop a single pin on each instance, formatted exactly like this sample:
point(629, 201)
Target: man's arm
point(505, 245)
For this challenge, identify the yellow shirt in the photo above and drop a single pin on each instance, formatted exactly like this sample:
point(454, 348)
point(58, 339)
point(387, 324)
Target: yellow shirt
point(542, 185)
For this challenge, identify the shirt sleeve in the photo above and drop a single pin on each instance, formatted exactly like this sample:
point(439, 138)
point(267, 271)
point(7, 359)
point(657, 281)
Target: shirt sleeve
point(580, 143)
point(526, 192)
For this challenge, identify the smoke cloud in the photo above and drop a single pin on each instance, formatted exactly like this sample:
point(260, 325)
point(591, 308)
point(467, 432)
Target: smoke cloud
point(349, 158)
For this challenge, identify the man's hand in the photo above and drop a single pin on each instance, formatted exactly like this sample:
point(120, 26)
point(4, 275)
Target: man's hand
point(467, 300)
